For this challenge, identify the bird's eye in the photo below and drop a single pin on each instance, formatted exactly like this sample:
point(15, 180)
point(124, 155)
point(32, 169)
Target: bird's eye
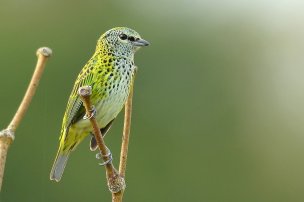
point(123, 36)
point(131, 38)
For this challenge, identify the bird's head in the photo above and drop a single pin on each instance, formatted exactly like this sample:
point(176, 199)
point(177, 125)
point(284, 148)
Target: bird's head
point(121, 41)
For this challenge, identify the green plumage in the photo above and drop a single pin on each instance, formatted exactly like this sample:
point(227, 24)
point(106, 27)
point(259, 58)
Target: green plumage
point(110, 72)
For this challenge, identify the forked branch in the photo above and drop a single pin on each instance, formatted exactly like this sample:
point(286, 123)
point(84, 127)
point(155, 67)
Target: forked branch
point(116, 181)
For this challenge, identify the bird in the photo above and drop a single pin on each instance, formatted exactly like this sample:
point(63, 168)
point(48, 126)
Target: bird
point(110, 72)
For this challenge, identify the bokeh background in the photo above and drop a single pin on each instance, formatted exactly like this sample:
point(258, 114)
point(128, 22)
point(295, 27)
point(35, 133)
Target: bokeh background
point(218, 107)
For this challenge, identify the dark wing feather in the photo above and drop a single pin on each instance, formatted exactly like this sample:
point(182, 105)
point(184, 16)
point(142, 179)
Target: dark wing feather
point(103, 131)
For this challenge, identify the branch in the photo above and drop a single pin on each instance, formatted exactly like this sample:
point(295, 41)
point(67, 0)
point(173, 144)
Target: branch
point(126, 135)
point(115, 181)
point(117, 197)
point(7, 135)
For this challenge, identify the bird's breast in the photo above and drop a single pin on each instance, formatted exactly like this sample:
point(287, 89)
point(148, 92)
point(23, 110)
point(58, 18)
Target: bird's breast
point(115, 93)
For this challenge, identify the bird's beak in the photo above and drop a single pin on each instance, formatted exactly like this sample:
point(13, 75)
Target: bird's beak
point(141, 42)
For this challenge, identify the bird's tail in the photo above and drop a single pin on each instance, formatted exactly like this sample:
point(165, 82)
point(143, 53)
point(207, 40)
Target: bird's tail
point(59, 165)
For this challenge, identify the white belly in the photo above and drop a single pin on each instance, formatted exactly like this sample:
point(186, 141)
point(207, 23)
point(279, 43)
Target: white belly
point(110, 107)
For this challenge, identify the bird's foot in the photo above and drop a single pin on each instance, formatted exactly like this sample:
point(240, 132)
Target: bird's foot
point(93, 113)
point(108, 156)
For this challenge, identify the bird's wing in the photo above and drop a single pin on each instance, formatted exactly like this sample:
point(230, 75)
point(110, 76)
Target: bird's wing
point(75, 110)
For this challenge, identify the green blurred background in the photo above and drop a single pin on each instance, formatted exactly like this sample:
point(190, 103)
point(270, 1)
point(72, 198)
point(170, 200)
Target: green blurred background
point(218, 104)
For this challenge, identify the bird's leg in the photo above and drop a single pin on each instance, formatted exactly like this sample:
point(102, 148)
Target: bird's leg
point(93, 113)
point(108, 155)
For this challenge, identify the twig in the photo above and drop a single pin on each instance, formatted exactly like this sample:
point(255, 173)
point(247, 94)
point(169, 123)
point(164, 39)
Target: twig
point(7, 135)
point(126, 135)
point(115, 181)
point(117, 197)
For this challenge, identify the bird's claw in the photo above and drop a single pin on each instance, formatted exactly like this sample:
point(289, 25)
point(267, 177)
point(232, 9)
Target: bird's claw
point(108, 155)
point(93, 113)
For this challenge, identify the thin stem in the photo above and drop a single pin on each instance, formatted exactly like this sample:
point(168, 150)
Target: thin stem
point(85, 93)
point(126, 135)
point(117, 197)
point(4, 145)
point(43, 54)
point(7, 135)
point(115, 182)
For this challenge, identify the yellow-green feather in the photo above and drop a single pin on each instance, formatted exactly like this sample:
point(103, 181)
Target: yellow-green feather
point(110, 73)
